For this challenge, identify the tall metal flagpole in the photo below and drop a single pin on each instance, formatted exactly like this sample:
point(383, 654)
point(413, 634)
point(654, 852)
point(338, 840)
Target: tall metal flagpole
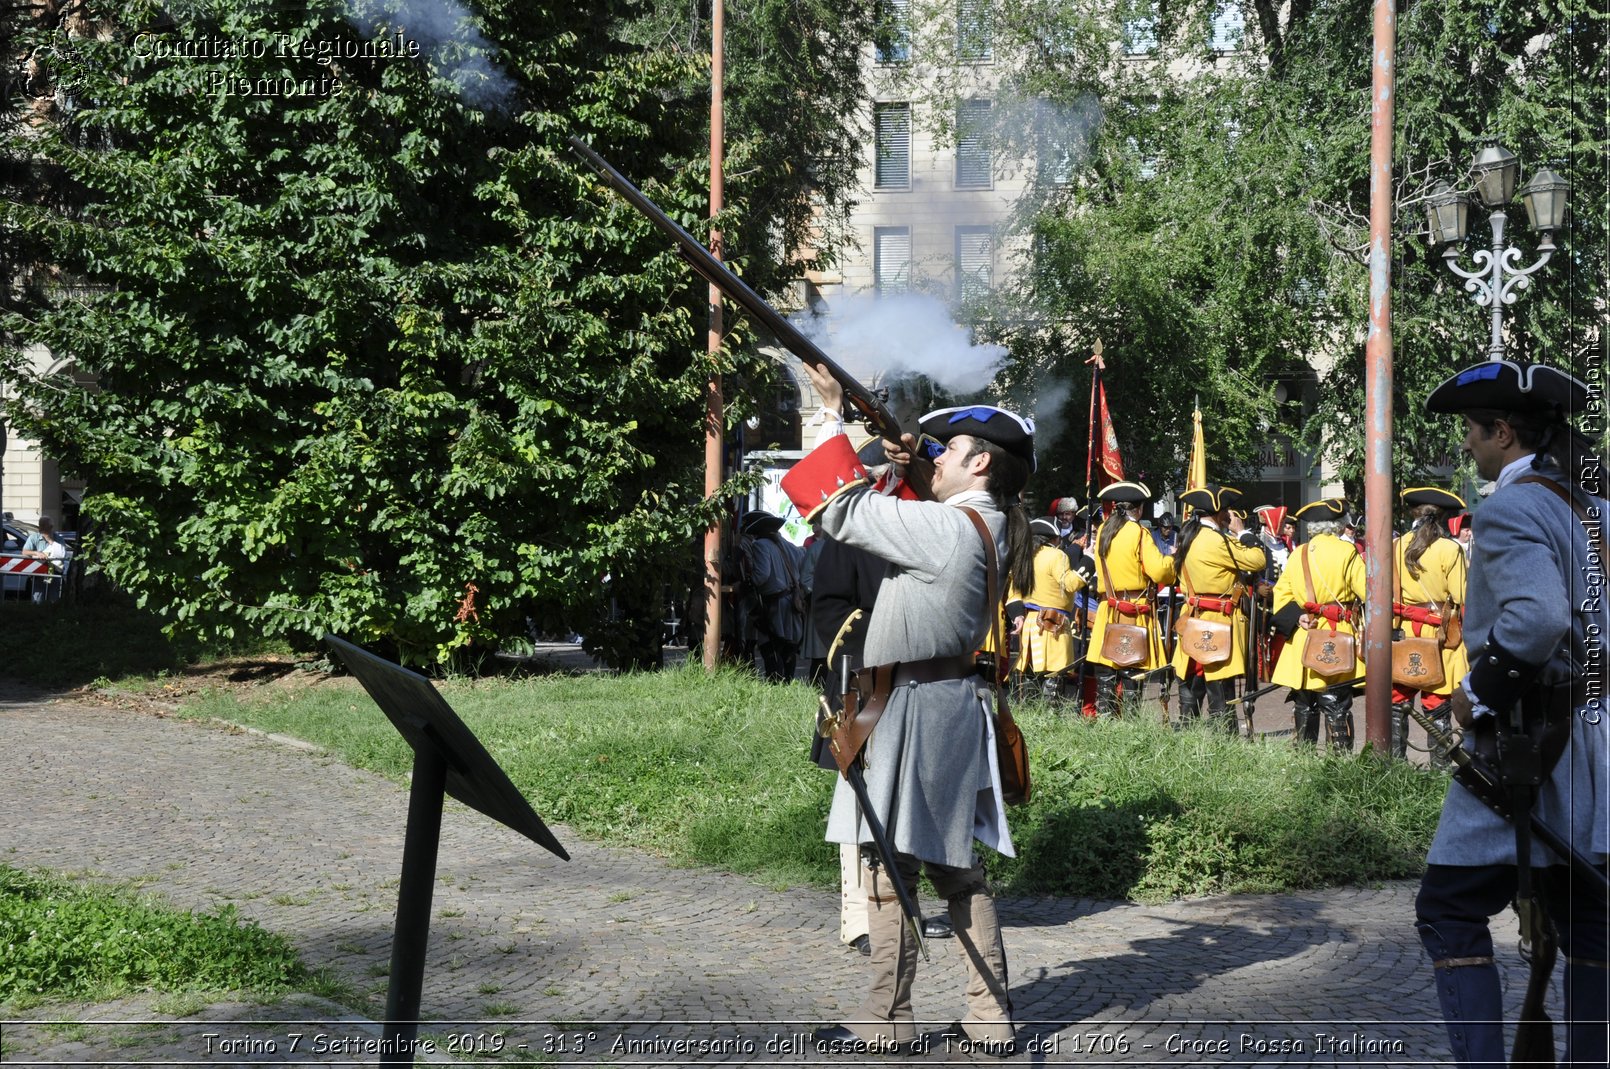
point(714, 417)
point(1378, 391)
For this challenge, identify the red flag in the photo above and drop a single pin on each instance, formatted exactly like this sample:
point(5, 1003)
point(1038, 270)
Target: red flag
point(1112, 462)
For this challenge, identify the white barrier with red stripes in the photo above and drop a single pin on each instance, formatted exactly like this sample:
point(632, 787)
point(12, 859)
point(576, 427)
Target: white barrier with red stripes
point(16, 565)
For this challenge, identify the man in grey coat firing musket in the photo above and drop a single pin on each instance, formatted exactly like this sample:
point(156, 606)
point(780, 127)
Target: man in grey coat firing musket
point(930, 767)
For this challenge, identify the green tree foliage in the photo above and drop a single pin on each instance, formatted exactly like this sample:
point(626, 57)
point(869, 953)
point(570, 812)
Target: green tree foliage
point(361, 332)
point(353, 331)
point(1200, 203)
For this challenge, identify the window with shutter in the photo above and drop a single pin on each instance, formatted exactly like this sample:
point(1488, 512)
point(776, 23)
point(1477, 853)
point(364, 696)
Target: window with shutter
point(973, 144)
point(975, 31)
point(975, 251)
point(891, 259)
point(892, 166)
point(892, 35)
point(1228, 28)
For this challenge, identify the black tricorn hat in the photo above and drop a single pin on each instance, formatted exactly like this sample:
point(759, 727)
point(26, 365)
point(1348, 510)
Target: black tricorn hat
point(1010, 431)
point(1128, 493)
point(871, 453)
point(1211, 498)
point(1332, 509)
point(757, 523)
point(1040, 527)
point(1510, 387)
point(1431, 495)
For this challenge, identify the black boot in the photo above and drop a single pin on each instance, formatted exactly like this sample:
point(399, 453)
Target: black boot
point(1400, 729)
point(1190, 700)
point(1106, 692)
point(1305, 718)
point(1338, 711)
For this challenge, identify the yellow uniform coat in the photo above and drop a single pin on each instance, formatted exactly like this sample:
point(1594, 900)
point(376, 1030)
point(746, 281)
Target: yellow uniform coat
point(1210, 571)
point(1054, 583)
point(1133, 561)
point(1442, 577)
point(1338, 572)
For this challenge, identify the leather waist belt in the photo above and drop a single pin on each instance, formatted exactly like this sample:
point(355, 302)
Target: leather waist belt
point(935, 670)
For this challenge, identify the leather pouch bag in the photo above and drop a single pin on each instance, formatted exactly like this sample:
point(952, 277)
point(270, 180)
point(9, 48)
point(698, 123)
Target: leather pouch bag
point(1207, 642)
point(1417, 662)
point(1124, 645)
point(1453, 628)
point(1012, 754)
point(1328, 652)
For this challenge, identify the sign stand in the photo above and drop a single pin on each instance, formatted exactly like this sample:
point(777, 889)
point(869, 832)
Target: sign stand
point(448, 759)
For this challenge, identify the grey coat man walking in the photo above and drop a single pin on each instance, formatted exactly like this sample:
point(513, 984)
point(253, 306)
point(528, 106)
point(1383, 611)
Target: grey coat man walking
point(929, 765)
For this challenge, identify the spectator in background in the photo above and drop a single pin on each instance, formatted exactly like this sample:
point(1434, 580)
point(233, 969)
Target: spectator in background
point(770, 566)
point(1166, 535)
point(44, 544)
point(1462, 530)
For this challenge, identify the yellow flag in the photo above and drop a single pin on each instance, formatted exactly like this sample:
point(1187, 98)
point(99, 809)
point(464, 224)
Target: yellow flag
point(1196, 471)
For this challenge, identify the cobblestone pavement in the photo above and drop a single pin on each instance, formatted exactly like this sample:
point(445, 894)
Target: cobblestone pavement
point(616, 958)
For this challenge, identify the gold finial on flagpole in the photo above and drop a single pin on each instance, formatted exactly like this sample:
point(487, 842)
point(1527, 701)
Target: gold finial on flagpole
point(1101, 365)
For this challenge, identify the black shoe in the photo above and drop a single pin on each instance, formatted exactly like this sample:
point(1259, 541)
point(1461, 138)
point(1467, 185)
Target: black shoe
point(938, 928)
point(861, 943)
point(836, 1039)
point(957, 1039)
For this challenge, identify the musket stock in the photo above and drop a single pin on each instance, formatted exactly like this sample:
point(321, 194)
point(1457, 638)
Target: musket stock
point(1478, 777)
point(876, 414)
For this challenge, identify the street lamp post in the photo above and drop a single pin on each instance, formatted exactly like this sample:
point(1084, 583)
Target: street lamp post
point(1498, 277)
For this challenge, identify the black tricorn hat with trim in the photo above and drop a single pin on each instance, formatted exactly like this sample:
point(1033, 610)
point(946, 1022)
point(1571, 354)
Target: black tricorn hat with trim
point(1127, 493)
point(1510, 387)
point(1040, 527)
point(1211, 498)
point(1332, 509)
point(1010, 431)
point(757, 523)
point(1431, 495)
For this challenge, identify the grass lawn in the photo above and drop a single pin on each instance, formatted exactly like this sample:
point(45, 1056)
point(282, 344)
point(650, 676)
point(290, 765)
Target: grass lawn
point(61, 939)
point(713, 770)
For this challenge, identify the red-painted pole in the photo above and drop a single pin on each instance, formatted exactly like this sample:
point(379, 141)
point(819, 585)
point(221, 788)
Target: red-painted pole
point(715, 423)
point(1378, 390)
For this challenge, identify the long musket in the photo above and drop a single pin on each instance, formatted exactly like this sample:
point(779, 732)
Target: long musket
point(876, 414)
point(1482, 780)
point(1261, 691)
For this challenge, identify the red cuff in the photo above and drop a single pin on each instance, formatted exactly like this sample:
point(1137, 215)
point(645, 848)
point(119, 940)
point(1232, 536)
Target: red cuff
point(824, 473)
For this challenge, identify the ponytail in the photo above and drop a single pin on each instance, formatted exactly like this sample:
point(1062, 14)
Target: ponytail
point(1109, 528)
point(1020, 549)
point(1430, 524)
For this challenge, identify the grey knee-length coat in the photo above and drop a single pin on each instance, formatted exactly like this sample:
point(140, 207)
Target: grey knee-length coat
point(1537, 588)
point(930, 762)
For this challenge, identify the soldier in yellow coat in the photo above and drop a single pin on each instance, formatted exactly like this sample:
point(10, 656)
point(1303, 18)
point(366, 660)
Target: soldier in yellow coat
point(1129, 568)
point(1045, 590)
point(1318, 598)
point(1214, 551)
point(1428, 596)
